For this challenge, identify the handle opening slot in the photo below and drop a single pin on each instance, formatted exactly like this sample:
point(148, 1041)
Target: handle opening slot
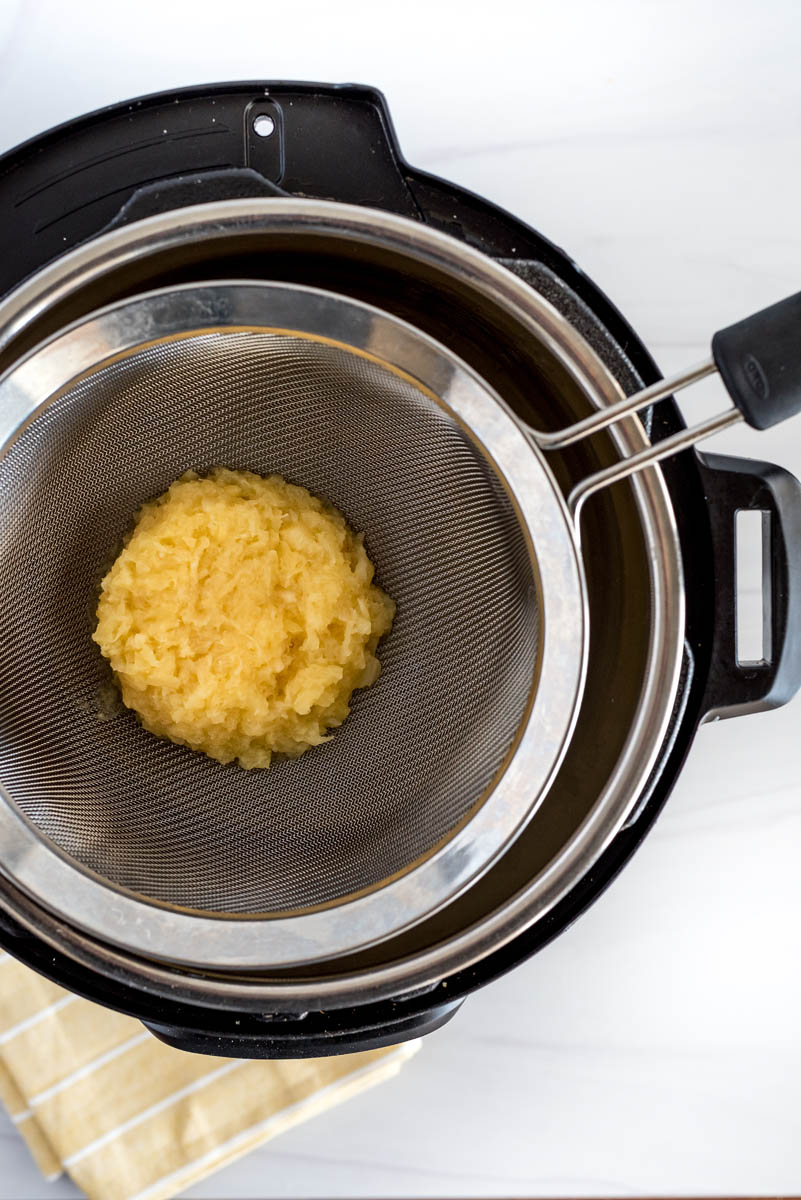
point(753, 624)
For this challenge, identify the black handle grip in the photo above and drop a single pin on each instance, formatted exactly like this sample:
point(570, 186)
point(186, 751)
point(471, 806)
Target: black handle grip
point(759, 360)
point(732, 485)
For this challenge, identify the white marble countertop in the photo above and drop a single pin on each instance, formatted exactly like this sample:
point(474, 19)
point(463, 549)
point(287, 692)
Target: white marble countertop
point(655, 1048)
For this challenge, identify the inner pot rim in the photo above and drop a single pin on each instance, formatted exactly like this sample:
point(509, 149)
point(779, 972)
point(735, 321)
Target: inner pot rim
point(471, 269)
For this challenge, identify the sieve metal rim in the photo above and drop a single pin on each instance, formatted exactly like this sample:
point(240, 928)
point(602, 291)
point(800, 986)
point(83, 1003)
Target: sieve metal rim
point(223, 942)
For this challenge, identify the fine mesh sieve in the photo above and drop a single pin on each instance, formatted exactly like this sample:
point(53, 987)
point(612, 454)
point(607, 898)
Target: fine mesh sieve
point(422, 745)
point(439, 763)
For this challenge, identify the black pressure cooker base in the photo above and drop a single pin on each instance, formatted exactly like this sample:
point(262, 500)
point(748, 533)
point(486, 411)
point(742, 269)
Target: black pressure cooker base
point(327, 142)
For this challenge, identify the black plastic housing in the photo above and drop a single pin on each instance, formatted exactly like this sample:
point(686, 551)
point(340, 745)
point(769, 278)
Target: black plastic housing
point(337, 142)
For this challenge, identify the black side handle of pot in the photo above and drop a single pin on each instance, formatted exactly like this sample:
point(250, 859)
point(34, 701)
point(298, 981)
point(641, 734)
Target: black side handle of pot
point(732, 485)
point(315, 1035)
point(759, 360)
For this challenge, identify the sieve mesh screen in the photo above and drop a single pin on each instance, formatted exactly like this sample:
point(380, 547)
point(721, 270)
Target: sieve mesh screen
point(420, 748)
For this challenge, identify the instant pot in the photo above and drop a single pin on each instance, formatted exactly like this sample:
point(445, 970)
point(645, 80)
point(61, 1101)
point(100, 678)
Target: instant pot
point(303, 187)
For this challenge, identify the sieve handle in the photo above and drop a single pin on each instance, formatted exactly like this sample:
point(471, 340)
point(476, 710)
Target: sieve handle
point(732, 485)
point(759, 362)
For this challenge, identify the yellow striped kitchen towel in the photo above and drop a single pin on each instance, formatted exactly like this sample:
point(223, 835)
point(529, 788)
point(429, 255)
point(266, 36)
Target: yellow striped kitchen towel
point(96, 1095)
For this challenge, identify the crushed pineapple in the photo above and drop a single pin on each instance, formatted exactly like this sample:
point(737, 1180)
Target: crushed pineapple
point(240, 616)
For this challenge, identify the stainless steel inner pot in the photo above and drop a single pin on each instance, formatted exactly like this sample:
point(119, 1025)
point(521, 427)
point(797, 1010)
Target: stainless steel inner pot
point(566, 354)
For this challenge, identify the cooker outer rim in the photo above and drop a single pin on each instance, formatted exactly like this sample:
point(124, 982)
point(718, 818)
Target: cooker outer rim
point(680, 476)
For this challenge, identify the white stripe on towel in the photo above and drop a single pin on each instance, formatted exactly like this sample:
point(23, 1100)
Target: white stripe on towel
point(88, 1068)
point(29, 1022)
point(146, 1113)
